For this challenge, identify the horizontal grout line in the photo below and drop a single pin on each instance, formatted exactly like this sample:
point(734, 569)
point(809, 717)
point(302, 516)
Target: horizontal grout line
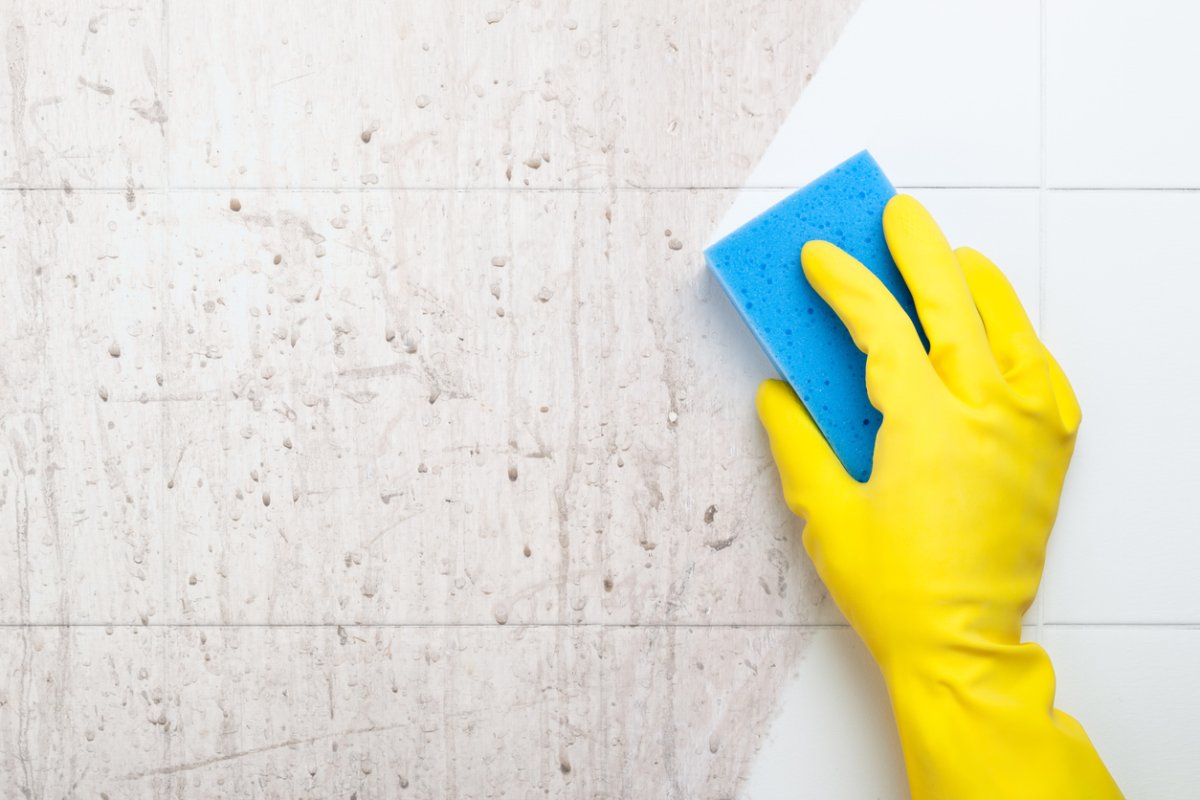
point(122, 190)
point(369, 625)
point(1187, 626)
point(527, 625)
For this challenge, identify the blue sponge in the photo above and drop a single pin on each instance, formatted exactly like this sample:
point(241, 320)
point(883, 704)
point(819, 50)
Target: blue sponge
point(759, 267)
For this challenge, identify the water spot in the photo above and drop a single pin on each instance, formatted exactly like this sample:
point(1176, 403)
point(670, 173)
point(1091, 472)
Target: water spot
point(366, 137)
point(499, 261)
point(103, 393)
point(533, 163)
point(422, 100)
point(564, 763)
point(527, 552)
point(667, 233)
point(608, 584)
point(544, 295)
point(672, 417)
point(709, 514)
point(512, 473)
point(492, 17)
point(235, 204)
point(114, 349)
point(266, 498)
point(675, 244)
point(500, 611)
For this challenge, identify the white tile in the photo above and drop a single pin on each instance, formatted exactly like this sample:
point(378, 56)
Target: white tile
point(696, 89)
point(1002, 224)
point(147, 712)
point(578, 94)
point(80, 424)
point(690, 707)
point(941, 92)
point(390, 94)
point(1120, 315)
point(382, 426)
point(719, 545)
point(1120, 81)
point(1134, 689)
point(85, 101)
point(833, 718)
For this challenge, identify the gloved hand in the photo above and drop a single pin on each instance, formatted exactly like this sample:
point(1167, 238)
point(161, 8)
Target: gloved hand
point(935, 559)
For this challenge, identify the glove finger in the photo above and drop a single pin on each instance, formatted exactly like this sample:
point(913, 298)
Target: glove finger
point(958, 346)
point(808, 468)
point(1010, 335)
point(1064, 395)
point(896, 360)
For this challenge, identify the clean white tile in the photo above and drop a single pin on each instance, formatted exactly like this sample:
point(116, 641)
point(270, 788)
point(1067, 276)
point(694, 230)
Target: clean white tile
point(943, 92)
point(1122, 275)
point(1121, 107)
point(1000, 223)
point(834, 734)
point(1134, 689)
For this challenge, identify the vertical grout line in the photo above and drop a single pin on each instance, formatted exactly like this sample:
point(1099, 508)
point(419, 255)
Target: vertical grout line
point(165, 639)
point(1041, 222)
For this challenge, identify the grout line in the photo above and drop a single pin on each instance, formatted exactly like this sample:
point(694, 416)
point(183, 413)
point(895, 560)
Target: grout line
point(167, 189)
point(1041, 222)
point(436, 625)
point(801, 626)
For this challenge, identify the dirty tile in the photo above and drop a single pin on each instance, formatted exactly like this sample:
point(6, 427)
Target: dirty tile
point(84, 457)
point(1117, 79)
point(1121, 679)
point(454, 712)
point(466, 95)
point(86, 94)
point(943, 94)
point(391, 423)
point(417, 95)
point(82, 706)
point(1119, 315)
point(695, 529)
point(298, 712)
point(697, 88)
point(688, 708)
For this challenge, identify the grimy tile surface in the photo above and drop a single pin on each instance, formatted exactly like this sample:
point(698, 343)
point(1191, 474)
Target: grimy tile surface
point(369, 426)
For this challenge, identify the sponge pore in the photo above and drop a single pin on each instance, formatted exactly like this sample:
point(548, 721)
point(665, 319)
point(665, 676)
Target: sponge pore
point(759, 267)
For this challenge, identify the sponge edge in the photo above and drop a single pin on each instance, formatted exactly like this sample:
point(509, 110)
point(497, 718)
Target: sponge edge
point(758, 265)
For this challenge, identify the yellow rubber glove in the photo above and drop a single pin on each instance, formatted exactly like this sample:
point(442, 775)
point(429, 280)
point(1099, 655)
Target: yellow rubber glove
point(935, 559)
